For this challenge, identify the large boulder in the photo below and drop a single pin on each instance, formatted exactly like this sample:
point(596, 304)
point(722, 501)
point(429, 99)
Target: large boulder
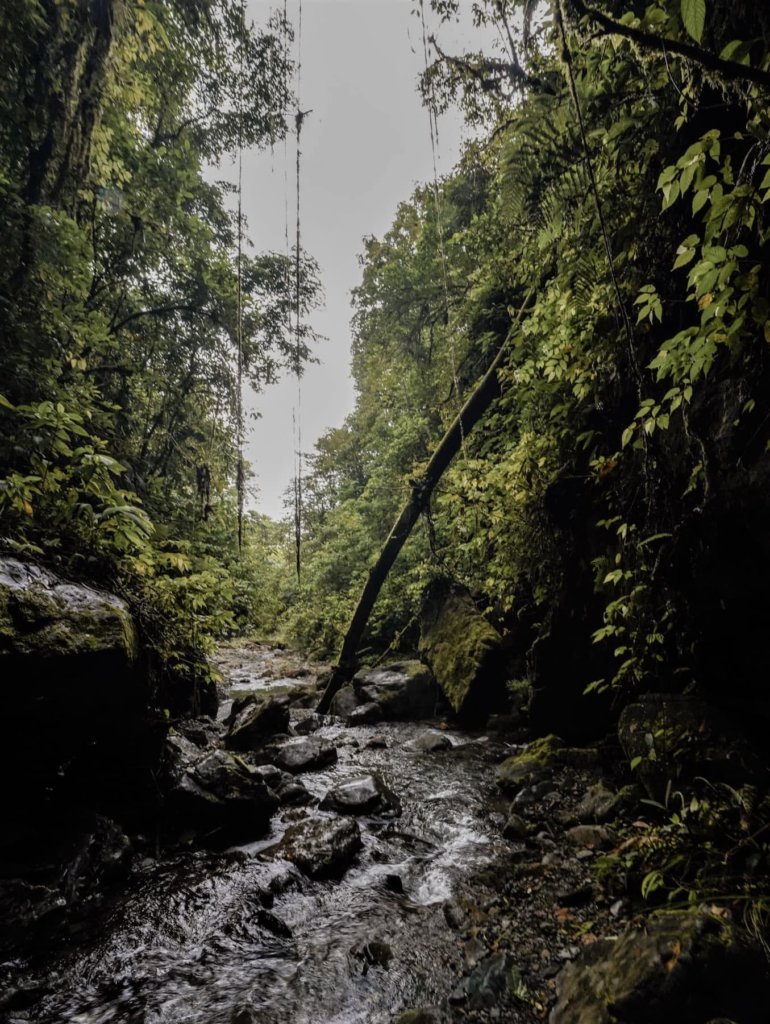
point(215, 792)
point(463, 650)
point(305, 754)
point(404, 690)
point(48, 617)
point(256, 722)
point(365, 795)
point(679, 967)
point(76, 693)
point(320, 847)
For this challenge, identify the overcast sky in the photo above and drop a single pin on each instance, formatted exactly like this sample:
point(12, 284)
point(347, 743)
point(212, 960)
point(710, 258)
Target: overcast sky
point(364, 148)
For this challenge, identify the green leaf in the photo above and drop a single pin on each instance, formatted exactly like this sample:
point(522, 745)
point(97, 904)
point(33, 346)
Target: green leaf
point(694, 17)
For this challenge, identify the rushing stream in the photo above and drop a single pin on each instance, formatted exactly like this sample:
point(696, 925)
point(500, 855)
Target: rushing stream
point(240, 936)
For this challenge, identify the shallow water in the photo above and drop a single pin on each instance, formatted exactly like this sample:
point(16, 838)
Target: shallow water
point(192, 942)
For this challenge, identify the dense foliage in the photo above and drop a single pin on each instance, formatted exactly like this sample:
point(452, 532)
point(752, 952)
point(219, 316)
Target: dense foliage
point(610, 228)
point(119, 294)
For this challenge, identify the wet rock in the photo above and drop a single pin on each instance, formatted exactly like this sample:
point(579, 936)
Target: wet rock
point(321, 847)
point(312, 723)
point(430, 742)
point(403, 690)
point(366, 795)
point(291, 792)
point(272, 775)
point(216, 791)
point(680, 967)
point(366, 714)
point(306, 754)
point(376, 743)
point(454, 915)
point(463, 650)
point(344, 702)
point(373, 953)
point(591, 837)
point(256, 722)
point(44, 615)
point(515, 827)
point(394, 883)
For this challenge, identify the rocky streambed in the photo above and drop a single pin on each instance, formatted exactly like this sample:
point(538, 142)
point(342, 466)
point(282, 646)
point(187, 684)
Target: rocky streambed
point(360, 868)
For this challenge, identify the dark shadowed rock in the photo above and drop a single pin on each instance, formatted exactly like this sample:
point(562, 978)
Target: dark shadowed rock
point(311, 723)
point(366, 714)
point(679, 967)
point(216, 791)
point(344, 702)
point(321, 847)
point(361, 796)
point(256, 722)
point(306, 753)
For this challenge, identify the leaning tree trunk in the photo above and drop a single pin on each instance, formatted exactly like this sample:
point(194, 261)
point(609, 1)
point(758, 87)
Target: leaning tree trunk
point(477, 404)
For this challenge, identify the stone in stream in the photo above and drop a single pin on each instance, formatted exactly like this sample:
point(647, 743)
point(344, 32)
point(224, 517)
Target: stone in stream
point(404, 690)
point(255, 722)
point(321, 847)
point(515, 828)
point(366, 714)
point(311, 723)
point(344, 702)
point(430, 742)
point(366, 795)
point(215, 791)
point(305, 754)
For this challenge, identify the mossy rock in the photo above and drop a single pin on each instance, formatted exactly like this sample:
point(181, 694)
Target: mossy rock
point(463, 650)
point(540, 757)
point(44, 616)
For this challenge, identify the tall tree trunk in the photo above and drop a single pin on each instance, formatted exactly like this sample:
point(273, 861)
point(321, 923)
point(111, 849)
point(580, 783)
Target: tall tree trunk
point(477, 404)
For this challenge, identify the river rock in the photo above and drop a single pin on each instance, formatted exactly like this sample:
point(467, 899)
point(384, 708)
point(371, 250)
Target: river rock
point(305, 754)
point(404, 690)
point(216, 791)
point(366, 714)
point(321, 847)
point(430, 742)
point(463, 650)
point(255, 722)
point(311, 723)
point(366, 795)
point(679, 967)
point(344, 702)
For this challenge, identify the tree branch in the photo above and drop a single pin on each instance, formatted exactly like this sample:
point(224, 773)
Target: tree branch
point(156, 311)
point(728, 69)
